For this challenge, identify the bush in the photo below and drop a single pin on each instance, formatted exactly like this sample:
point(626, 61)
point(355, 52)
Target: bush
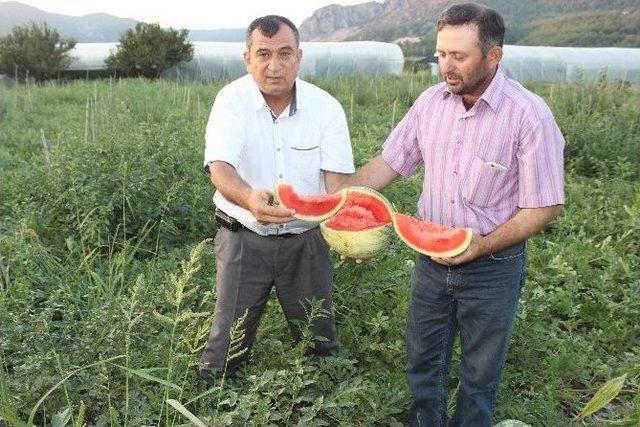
point(34, 51)
point(148, 50)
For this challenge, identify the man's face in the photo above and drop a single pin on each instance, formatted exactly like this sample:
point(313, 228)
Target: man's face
point(274, 62)
point(463, 66)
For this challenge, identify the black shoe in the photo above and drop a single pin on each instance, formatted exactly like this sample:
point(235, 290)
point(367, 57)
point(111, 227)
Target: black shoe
point(212, 377)
point(206, 377)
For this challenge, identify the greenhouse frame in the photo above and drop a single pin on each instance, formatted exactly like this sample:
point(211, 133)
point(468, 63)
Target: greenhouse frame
point(220, 60)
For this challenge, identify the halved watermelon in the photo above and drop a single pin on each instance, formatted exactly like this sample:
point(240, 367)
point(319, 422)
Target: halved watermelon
point(362, 227)
point(428, 238)
point(309, 208)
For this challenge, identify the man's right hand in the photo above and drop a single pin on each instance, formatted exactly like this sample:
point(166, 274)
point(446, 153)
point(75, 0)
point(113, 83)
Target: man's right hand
point(260, 204)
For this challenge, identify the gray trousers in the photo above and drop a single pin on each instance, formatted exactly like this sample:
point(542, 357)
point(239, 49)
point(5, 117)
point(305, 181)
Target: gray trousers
point(248, 265)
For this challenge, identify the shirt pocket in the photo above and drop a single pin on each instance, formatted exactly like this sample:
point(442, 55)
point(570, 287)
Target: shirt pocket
point(304, 164)
point(483, 181)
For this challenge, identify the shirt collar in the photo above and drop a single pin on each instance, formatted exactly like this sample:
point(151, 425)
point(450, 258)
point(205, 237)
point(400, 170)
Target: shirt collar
point(258, 101)
point(492, 94)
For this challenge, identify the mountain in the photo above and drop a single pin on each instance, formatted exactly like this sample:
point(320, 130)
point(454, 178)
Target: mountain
point(603, 28)
point(408, 22)
point(335, 23)
point(97, 27)
point(402, 19)
point(93, 28)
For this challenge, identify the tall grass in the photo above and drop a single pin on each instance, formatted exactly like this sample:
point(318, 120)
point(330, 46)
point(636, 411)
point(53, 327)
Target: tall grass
point(99, 259)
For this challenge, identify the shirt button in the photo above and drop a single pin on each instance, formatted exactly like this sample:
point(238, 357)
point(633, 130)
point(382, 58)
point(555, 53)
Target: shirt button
point(278, 150)
point(455, 172)
point(459, 142)
point(280, 226)
point(280, 176)
point(452, 202)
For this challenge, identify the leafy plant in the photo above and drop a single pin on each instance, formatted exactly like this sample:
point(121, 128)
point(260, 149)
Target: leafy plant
point(148, 50)
point(35, 51)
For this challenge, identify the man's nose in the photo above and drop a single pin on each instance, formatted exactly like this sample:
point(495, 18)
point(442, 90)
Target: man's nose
point(274, 63)
point(445, 65)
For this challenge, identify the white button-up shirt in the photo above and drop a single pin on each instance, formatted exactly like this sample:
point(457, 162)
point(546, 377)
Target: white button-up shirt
point(310, 136)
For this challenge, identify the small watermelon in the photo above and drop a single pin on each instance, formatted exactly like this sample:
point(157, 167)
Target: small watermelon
point(362, 227)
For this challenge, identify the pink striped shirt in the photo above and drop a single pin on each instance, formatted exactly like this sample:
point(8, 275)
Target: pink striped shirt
point(481, 165)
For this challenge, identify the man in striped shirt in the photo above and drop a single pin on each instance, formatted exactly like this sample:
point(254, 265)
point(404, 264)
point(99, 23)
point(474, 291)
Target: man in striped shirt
point(493, 161)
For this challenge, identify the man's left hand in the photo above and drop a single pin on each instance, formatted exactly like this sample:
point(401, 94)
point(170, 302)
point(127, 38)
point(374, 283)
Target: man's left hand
point(478, 247)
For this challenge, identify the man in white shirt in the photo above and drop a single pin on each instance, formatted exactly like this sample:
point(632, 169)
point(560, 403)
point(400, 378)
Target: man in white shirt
point(269, 127)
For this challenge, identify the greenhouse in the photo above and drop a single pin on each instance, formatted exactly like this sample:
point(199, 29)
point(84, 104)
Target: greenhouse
point(569, 64)
point(219, 60)
point(90, 56)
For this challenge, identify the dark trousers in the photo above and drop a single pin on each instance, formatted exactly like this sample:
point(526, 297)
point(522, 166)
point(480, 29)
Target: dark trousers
point(248, 265)
point(478, 300)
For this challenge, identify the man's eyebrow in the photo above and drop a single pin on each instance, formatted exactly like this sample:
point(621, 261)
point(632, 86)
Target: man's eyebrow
point(453, 52)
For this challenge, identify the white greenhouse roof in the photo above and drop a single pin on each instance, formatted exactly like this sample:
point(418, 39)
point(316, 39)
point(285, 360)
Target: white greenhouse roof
point(219, 60)
point(91, 56)
point(569, 64)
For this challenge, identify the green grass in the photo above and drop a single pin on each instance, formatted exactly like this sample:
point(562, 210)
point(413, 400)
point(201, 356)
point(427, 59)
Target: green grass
point(101, 258)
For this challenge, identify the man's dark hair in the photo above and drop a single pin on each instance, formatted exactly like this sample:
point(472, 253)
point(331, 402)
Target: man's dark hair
point(269, 26)
point(490, 23)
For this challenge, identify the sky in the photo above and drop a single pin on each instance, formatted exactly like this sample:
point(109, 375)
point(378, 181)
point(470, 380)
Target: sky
point(190, 14)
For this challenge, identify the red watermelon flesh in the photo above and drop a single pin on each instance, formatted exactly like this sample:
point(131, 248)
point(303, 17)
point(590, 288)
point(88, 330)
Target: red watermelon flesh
point(378, 208)
point(312, 207)
point(353, 218)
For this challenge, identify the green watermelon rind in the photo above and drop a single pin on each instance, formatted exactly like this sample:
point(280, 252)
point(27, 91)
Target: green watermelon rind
point(361, 244)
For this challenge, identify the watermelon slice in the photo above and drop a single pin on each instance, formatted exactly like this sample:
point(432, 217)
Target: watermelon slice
point(309, 208)
point(428, 238)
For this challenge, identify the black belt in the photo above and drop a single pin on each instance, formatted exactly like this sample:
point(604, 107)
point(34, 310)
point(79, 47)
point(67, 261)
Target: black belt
point(232, 224)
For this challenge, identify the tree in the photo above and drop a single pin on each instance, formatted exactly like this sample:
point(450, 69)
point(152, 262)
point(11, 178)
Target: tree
point(34, 50)
point(149, 49)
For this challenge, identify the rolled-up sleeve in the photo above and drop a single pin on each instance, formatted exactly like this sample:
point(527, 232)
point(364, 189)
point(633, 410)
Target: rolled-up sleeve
point(541, 164)
point(401, 150)
point(225, 134)
point(335, 144)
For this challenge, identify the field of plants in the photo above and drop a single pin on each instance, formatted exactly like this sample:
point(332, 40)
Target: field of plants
point(107, 274)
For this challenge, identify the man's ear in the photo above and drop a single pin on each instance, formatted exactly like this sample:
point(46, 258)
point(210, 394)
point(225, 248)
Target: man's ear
point(495, 54)
point(247, 58)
